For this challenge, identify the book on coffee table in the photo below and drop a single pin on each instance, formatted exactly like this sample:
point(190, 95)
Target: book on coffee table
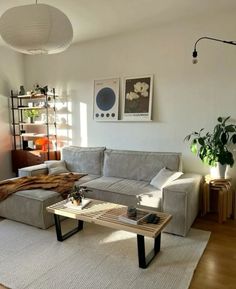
point(83, 204)
point(140, 216)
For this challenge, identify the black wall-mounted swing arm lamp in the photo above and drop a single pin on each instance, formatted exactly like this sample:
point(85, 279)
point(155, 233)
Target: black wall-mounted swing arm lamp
point(209, 38)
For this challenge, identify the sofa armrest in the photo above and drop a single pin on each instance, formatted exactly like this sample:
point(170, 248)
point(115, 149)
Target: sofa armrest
point(181, 200)
point(33, 170)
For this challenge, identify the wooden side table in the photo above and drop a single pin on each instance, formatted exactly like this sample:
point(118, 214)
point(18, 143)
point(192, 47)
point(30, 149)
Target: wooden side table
point(223, 190)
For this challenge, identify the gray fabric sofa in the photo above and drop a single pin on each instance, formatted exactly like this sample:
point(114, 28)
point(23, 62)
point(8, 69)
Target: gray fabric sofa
point(117, 176)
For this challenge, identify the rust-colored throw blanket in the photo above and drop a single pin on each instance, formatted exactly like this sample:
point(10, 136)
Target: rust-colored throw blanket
point(58, 183)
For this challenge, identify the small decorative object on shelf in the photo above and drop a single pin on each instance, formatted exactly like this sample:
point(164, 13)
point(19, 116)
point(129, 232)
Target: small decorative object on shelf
point(43, 143)
point(22, 90)
point(40, 90)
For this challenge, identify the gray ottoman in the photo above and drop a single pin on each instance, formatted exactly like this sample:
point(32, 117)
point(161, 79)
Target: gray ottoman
point(29, 207)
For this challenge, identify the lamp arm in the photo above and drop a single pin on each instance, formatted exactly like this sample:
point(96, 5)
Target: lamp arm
point(215, 39)
point(209, 38)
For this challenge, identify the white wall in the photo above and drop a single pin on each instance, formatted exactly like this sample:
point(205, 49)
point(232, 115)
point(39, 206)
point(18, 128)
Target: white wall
point(11, 77)
point(187, 97)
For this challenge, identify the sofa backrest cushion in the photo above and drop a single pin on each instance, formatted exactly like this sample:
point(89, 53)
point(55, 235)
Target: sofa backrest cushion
point(136, 165)
point(83, 160)
point(56, 167)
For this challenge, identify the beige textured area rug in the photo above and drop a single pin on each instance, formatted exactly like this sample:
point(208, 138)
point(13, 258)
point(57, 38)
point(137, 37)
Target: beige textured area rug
point(96, 257)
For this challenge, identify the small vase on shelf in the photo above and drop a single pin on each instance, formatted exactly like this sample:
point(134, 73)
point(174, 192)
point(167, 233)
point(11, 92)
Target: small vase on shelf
point(30, 119)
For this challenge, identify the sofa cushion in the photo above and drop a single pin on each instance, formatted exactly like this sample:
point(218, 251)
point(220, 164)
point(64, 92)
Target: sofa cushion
point(140, 166)
point(56, 167)
point(164, 177)
point(124, 191)
point(83, 160)
point(86, 179)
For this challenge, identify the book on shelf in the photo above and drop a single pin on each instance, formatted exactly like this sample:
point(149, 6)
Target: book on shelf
point(28, 134)
point(83, 204)
point(140, 216)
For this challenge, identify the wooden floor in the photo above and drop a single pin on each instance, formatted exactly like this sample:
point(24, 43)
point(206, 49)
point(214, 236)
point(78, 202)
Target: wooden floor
point(217, 267)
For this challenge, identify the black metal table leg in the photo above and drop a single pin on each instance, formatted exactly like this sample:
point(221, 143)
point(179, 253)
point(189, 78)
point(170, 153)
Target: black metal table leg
point(144, 260)
point(61, 237)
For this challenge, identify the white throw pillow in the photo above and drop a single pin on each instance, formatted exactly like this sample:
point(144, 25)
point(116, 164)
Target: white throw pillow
point(164, 177)
point(56, 167)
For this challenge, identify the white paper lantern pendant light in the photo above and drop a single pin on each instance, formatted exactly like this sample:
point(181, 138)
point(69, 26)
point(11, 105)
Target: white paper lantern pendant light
point(36, 29)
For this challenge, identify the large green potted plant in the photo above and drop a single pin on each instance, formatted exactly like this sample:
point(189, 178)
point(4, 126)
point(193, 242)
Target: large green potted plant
point(213, 147)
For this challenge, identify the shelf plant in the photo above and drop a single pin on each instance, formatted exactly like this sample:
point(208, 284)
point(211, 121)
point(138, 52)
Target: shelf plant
point(214, 147)
point(31, 114)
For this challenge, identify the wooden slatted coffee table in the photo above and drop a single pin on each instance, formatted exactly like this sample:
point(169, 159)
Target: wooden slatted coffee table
point(106, 214)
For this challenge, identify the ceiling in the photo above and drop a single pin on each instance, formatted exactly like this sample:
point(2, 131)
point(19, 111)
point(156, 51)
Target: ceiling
point(93, 19)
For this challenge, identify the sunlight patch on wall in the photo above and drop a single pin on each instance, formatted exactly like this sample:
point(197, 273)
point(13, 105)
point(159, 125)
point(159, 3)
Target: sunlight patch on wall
point(64, 122)
point(83, 125)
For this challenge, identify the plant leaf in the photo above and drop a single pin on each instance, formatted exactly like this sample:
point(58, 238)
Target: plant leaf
point(228, 117)
point(201, 141)
point(193, 148)
point(230, 128)
point(187, 138)
point(233, 138)
point(224, 138)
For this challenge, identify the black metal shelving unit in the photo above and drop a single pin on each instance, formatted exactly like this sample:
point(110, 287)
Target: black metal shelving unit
point(24, 132)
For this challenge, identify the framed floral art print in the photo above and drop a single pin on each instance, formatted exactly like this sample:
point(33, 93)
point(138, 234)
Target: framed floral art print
point(137, 100)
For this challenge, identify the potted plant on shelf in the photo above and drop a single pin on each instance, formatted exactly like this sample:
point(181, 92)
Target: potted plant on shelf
point(213, 148)
point(31, 114)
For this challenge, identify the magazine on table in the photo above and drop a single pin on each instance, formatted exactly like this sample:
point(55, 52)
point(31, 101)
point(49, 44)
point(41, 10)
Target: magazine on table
point(140, 216)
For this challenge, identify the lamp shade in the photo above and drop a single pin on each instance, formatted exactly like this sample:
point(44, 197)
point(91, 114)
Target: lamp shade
point(36, 29)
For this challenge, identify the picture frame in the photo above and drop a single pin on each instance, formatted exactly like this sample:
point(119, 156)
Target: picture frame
point(106, 99)
point(137, 98)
